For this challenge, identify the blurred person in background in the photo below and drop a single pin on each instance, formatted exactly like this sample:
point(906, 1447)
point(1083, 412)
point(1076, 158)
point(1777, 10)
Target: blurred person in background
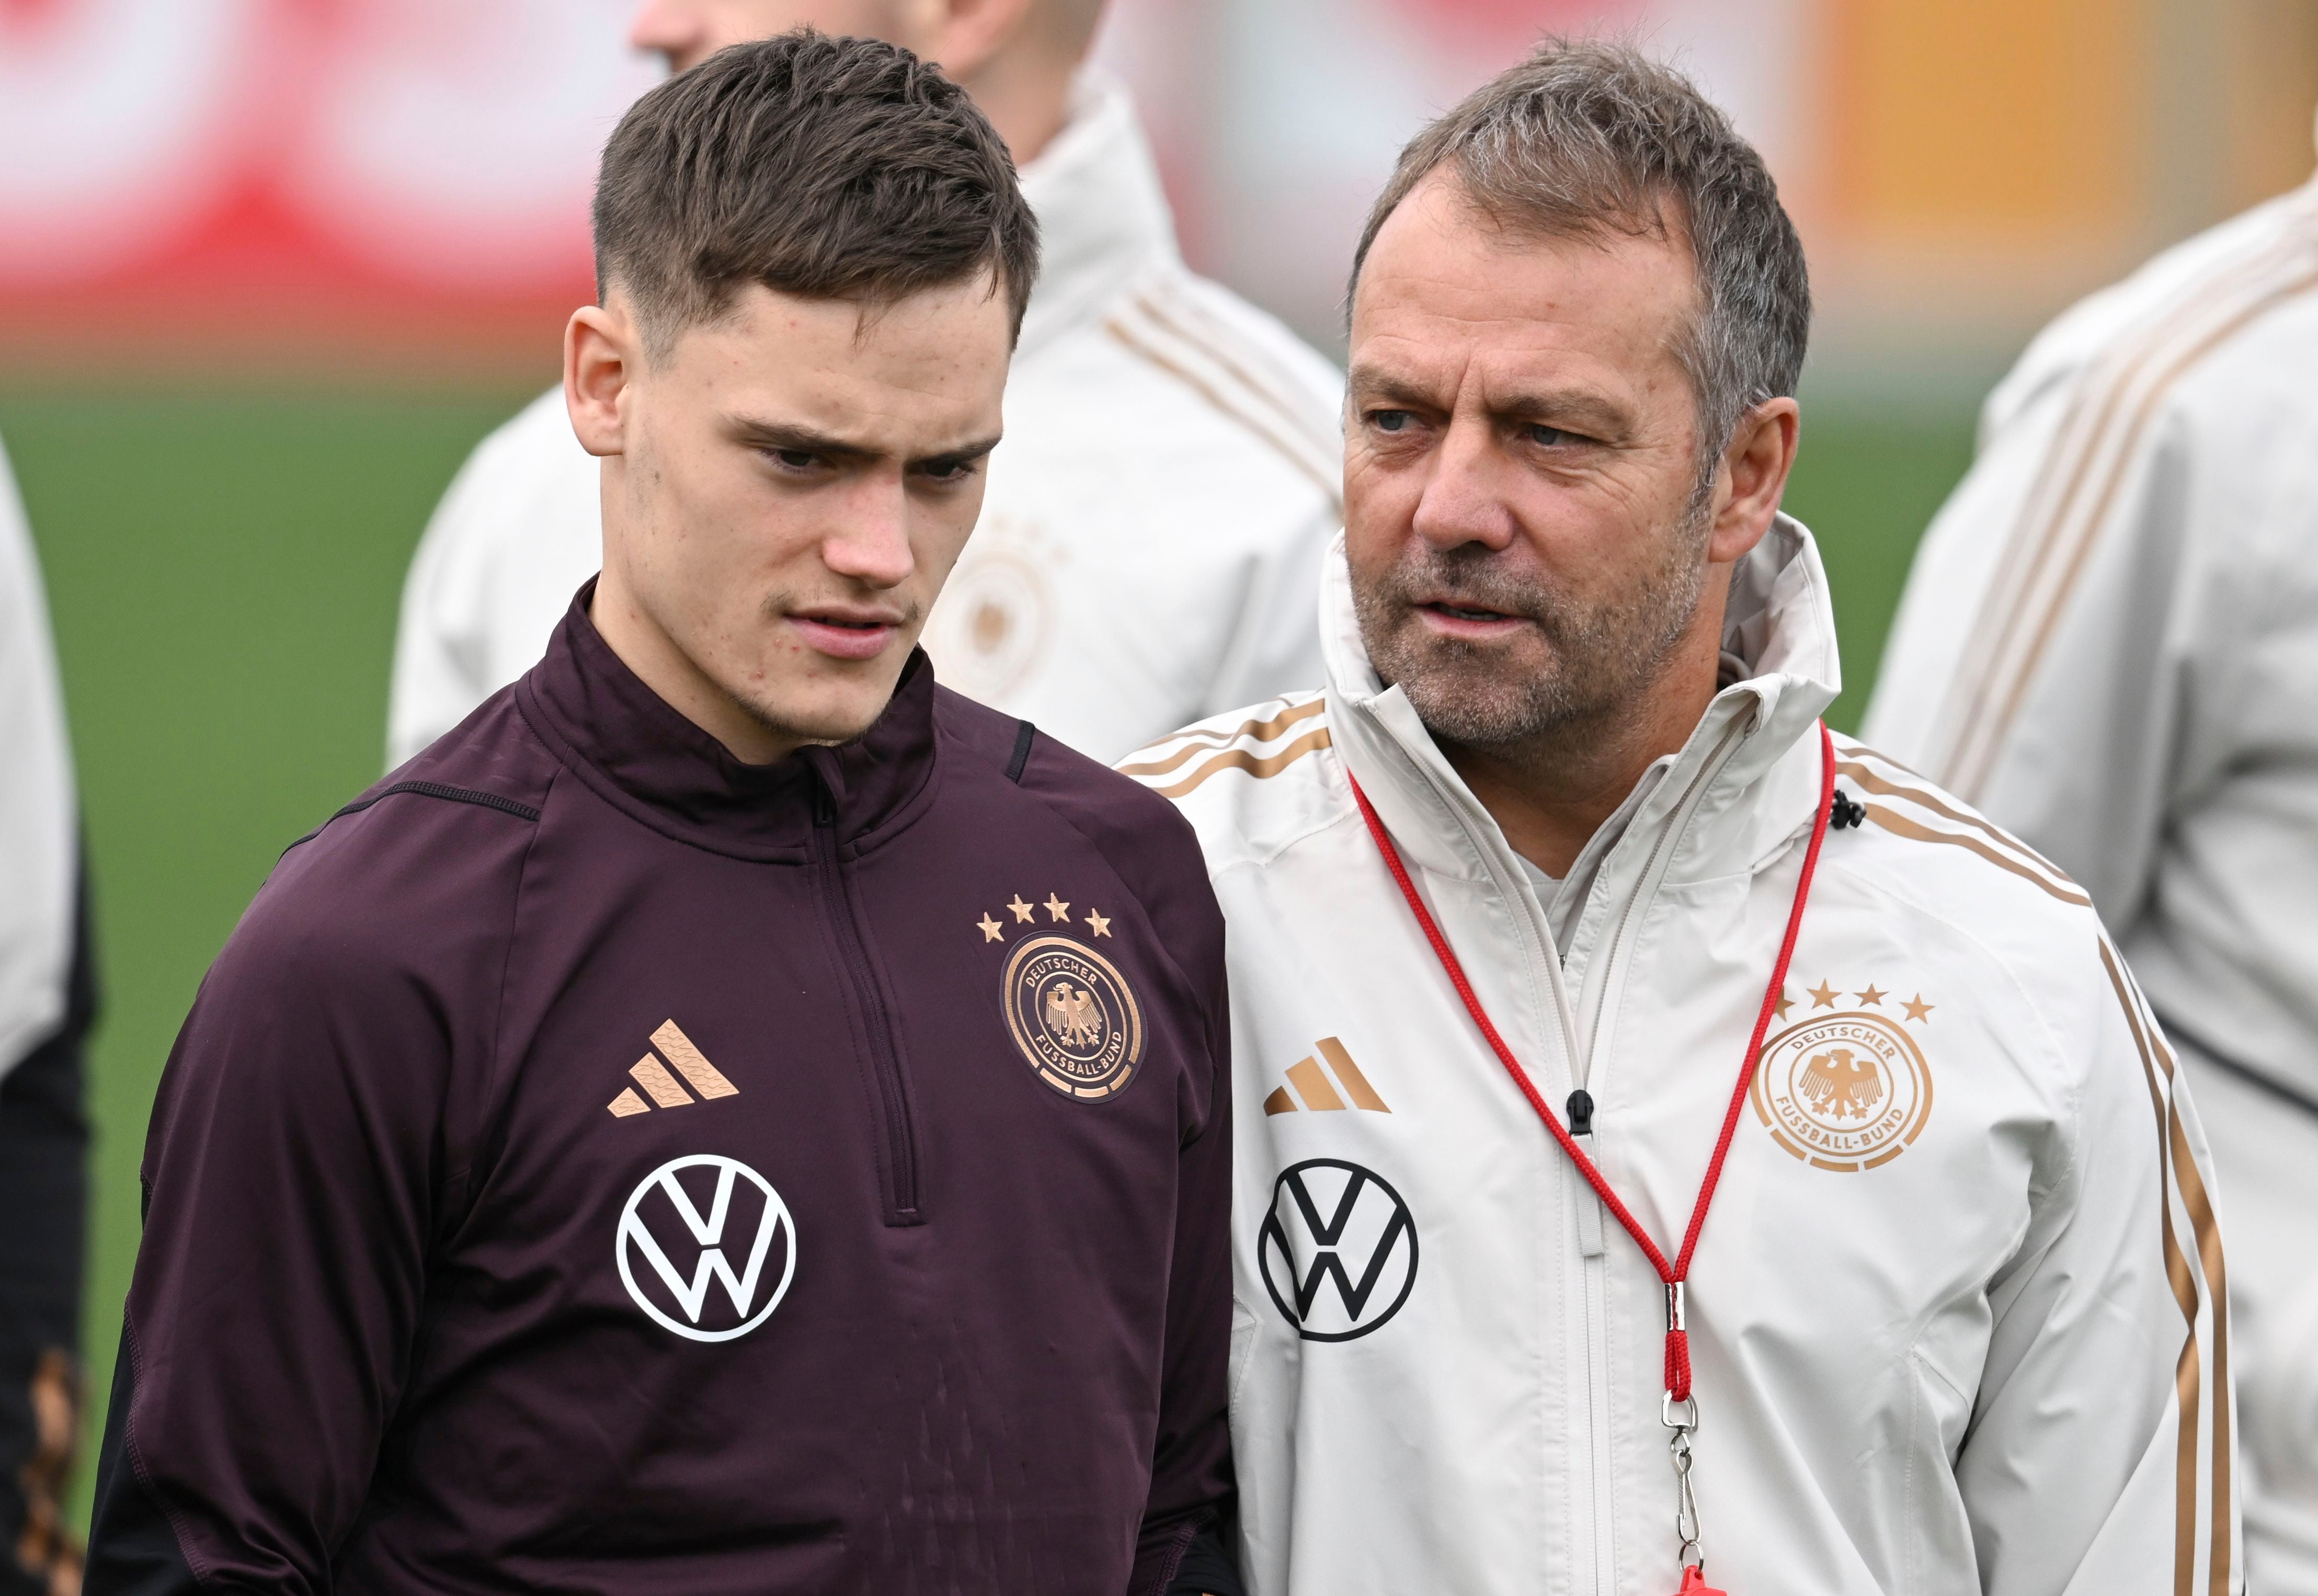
point(2109, 644)
point(1156, 519)
point(47, 1003)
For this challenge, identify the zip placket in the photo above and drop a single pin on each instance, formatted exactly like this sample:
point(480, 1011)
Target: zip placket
point(893, 1096)
point(1597, 1513)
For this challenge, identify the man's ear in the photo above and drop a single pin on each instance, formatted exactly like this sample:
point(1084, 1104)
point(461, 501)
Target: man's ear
point(1752, 478)
point(602, 356)
point(971, 31)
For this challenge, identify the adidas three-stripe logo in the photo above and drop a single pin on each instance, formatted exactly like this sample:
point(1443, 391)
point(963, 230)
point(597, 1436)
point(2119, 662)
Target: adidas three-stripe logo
point(660, 1081)
point(1320, 1090)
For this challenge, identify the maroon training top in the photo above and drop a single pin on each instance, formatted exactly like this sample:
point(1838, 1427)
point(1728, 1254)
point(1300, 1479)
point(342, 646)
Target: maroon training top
point(594, 1164)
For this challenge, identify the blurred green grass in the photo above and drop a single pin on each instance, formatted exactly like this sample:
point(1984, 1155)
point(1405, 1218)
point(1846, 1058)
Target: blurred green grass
point(223, 570)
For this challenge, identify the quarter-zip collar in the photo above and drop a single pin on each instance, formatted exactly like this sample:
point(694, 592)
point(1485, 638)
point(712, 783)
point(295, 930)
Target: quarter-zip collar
point(642, 756)
point(1745, 775)
point(1102, 216)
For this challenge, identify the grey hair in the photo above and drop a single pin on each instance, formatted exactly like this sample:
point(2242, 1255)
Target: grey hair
point(1588, 137)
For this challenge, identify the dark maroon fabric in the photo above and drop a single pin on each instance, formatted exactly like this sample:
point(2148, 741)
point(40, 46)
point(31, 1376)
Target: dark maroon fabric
point(379, 1338)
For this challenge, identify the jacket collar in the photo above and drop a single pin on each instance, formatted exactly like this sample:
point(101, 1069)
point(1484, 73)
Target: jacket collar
point(1760, 770)
point(639, 754)
point(1103, 215)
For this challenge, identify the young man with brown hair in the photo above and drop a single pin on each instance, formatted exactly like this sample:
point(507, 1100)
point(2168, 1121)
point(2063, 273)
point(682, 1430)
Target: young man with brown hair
point(1155, 526)
point(732, 1116)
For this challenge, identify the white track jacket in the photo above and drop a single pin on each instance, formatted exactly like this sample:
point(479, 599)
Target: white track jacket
point(1953, 1318)
point(2110, 642)
point(39, 824)
point(1155, 518)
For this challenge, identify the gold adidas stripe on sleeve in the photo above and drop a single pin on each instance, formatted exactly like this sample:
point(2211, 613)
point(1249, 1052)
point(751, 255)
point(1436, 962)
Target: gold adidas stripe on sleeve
point(2194, 1395)
point(1922, 815)
point(2052, 540)
point(1201, 368)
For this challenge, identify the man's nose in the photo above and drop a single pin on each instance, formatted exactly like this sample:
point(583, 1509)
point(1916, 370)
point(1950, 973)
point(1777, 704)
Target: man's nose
point(1464, 497)
point(871, 544)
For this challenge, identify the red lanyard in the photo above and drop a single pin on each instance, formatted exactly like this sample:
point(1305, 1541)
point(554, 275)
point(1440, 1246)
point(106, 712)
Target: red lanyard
point(1677, 1342)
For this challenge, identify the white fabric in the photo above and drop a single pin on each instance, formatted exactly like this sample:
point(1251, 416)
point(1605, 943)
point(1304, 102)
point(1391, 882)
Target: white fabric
point(1964, 1368)
point(2110, 642)
point(1155, 517)
point(38, 861)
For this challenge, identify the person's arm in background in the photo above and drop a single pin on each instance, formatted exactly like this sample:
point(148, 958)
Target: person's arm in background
point(2100, 1451)
point(441, 661)
point(1275, 645)
point(48, 1003)
point(519, 529)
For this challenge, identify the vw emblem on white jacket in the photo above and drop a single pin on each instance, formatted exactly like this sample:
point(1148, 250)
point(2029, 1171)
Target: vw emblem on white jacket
point(744, 1244)
point(1338, 1249)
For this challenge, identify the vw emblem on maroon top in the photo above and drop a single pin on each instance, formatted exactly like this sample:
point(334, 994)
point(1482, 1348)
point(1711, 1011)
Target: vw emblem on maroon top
point(707, 1248)
point(1073, 1018)
point(1338, 1249)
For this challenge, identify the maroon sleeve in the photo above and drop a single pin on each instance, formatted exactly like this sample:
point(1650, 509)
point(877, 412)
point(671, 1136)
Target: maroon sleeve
point(1192, 1485)
point(297, 1170)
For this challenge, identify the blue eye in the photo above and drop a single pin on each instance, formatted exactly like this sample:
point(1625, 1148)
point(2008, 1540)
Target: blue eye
point(1391, 420)
point(1548, 436)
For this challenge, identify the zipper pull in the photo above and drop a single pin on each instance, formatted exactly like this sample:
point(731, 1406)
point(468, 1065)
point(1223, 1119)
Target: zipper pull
point(1590, 1242)
point(824, 807)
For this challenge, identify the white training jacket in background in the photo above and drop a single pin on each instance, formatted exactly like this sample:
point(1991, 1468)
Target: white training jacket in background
point(2109, 643)
point(1153, 527)
point(1953, 1316)
point(39, 857)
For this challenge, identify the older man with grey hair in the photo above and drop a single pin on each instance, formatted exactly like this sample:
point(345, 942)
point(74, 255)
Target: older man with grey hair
point(1672, 1142)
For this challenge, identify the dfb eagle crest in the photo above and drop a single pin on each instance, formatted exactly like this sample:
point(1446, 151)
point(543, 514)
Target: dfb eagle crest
point(1074, 1016)
point(1840, 1084)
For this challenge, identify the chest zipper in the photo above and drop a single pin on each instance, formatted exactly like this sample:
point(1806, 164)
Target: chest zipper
point(900, 1159)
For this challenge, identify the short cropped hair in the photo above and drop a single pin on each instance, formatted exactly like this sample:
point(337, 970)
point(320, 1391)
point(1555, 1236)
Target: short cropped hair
point(827, 168)
point(1590, 136)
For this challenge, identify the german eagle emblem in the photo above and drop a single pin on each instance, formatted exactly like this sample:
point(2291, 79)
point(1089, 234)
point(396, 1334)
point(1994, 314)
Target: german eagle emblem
point(1074, 1016)
point(1840, 1085)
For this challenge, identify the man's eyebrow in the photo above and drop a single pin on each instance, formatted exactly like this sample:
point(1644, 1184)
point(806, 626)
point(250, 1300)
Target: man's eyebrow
point(1580, 407)
point(1370, 383)
point(964, 454)
point(758, 433)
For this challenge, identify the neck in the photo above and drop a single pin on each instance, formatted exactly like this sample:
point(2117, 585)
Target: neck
point(1551, 794)
point(646, 649)
point(1026, 94)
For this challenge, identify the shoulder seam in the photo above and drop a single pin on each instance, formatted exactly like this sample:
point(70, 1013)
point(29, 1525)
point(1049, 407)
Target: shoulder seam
point(524, 812)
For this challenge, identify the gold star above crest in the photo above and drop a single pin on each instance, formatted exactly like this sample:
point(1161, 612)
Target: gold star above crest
point(1823, 996)
point(1918, 1009)
point(1096, 923)
point(1784, 1003)
point(1874, 994)
point(1057, 908)
point(1021, 909)
point(989, 927)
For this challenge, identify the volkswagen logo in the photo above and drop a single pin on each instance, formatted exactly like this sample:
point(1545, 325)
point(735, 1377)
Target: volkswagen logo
point(1338, 1249)
point(728, 1223)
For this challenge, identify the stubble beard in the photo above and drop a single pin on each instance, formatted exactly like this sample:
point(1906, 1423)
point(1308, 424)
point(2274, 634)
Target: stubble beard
point(1600, 660)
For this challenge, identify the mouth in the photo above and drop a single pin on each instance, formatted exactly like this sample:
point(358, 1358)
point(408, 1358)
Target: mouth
point(843, 632)
point(1468, 622)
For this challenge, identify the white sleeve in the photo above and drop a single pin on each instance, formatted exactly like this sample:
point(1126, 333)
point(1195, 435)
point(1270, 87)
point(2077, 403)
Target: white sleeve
point(442, 667)
point(2100, 1455)
point(38, 822)
point(1275, 647)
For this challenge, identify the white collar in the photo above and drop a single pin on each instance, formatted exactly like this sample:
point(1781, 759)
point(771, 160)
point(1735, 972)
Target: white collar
point(1779, 625)
point(1103, 215)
